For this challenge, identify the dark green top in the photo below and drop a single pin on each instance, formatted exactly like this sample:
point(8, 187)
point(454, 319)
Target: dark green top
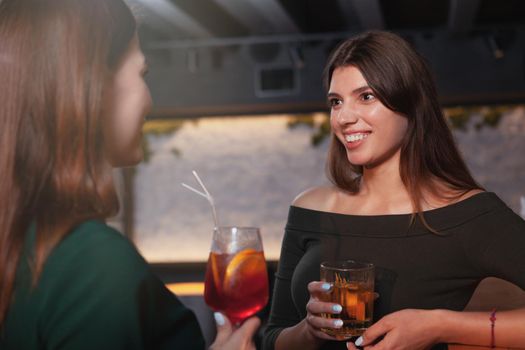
point(415, 268)
point(96, 292)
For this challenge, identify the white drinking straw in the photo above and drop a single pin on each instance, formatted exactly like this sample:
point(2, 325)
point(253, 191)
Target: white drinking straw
point(206, 195)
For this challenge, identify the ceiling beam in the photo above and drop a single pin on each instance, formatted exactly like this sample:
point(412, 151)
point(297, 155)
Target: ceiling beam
point(247, 40)
point(368, 12)
point(174, 16)
point(275, 14)
point(349, 14)
point(244, 12)
point(260, 16)
point(461, 15)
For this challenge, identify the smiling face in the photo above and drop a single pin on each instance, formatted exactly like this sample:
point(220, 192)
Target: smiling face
point(128, 101)
point(371, 133)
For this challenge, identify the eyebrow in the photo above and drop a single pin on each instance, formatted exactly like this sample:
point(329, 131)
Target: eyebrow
point(354, 92)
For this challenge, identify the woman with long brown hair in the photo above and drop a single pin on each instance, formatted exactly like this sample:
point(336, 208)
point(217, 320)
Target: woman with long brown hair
point(73, 104)
point(403, 199)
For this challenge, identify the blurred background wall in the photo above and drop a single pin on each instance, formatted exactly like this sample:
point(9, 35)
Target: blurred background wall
point(238, 93)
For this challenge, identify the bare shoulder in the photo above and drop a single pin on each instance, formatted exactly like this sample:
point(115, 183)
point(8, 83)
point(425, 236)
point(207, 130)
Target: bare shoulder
point(320, 198)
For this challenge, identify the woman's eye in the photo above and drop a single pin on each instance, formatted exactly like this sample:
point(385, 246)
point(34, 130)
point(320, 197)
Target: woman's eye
point(334, 102)
point(367, 96)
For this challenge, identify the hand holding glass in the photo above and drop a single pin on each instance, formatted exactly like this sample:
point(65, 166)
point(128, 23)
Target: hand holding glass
point(352, 288)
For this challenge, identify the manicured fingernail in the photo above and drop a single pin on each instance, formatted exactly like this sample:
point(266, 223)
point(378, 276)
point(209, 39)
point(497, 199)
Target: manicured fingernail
point(326, 286)
point(338, 323)
point(219, 318)
point(359, 341)
point(337, 308)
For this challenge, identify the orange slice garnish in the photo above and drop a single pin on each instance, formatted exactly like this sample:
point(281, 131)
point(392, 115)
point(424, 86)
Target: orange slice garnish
point(246, 267)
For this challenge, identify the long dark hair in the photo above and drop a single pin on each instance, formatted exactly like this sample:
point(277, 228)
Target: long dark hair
point(402, 81)
point(56, 59)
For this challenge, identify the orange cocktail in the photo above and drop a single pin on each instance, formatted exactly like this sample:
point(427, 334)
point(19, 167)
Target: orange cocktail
point(237, 281)
point(237, 284)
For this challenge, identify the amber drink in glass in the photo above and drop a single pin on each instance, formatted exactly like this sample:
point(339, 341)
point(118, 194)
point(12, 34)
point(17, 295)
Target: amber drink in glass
point(352, 288)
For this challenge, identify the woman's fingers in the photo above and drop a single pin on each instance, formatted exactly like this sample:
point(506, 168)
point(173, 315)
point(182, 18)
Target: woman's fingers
point(319, 287)
point(320, 291)
point(230, 339)
point(321, 322)
point(250, 326)
point(319, 307)
point(374, 332)
point(315, 308)
point(351, 346)
point(224, 328)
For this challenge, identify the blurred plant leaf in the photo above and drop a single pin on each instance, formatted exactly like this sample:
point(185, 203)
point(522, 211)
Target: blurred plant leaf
point(459, 117)
point(159, 127)
point(301, 120)
point(321, 130)
point(493, 115)
point(162, 126)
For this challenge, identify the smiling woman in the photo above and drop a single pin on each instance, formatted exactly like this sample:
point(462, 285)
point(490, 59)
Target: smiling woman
point(371, 133)
point(392, 82)
point(403, 199)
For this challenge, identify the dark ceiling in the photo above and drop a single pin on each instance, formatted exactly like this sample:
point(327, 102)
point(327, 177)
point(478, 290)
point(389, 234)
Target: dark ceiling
point(193, 19)
point(197, 45)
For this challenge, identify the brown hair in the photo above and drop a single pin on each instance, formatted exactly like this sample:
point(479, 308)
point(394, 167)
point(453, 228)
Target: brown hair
point(56, 59)
point(402, 81)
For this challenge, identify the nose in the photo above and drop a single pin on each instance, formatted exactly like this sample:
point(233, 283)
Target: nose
point(346, 115)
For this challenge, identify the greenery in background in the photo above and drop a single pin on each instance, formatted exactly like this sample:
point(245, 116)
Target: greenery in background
point(321, 129)
point(160, 127)
point(458, 117)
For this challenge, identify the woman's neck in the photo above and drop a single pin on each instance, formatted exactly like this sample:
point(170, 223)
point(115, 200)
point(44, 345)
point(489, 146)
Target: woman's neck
point(383, 180)
point(381, 190)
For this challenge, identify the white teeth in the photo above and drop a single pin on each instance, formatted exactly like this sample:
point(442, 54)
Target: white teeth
point(355, 137)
